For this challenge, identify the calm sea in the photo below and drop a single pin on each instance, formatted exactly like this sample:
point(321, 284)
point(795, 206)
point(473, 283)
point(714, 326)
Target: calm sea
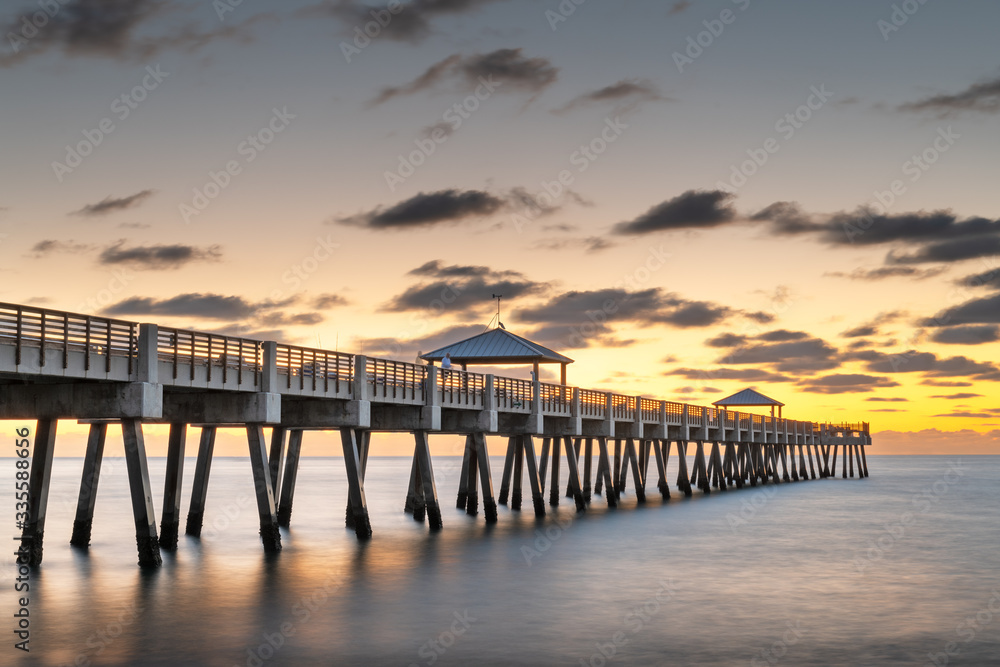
point(900, 568)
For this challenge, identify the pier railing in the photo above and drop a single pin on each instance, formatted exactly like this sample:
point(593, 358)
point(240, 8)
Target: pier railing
point(50, 342)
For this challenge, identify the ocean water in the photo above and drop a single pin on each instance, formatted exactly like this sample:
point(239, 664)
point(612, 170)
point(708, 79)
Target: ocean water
point(899, 568)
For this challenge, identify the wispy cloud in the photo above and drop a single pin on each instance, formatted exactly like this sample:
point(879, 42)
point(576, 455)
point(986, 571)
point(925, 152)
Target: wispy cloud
point(110, 205)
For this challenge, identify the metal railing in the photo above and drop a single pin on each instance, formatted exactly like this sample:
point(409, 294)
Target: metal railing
point(313, 369)
point(513, 395)
point(623, 407)
point(46, 330)
point(195, 349)
point(461, 388)
point(555, 398)
point(396, 380)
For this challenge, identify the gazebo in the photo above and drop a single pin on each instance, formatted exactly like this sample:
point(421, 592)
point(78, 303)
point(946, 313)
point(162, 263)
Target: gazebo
point(749, 397)
point(498, 347)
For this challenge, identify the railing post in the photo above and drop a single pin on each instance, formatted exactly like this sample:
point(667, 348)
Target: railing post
point(574, 406)
point(269, 370)
point(146, 354)
point(637, 431)
point(360, 378)
point(430, 390)
point(489, 392)
point(536, 396)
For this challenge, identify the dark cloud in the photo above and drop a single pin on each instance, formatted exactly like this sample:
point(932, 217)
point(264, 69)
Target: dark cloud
point(982, 97)
point(782, 336)
point(462, 290)
point(506, 69)
point(678, 7)
point(952, 251)
point(969, 335)
point(426, 209)
point(861, 331)
point(726, 340)
point(412, 23)
point(117, 29)
point(913, 361)
point(807, 355)
point(989, 279)
point(968, 415)
point(51, 246)
point(738, 374)
point(194, 304)
point(843, 383)
point(883, 272)
point(888, 400)
point(324, 301)
point(787, 218)
point(945, 383)
point(629, 93)
point(958, 397)
point(590, 244)
point(691, 210)
point(976, 311)
point(110, 205)
point(157, 257)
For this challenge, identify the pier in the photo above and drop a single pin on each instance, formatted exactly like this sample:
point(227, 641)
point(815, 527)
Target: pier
point(58, 365)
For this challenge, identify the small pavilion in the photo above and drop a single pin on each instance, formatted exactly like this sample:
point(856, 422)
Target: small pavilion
point(749, 397)
point(499, 347)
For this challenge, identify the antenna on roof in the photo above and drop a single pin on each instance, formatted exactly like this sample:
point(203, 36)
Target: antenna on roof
point(497, 316)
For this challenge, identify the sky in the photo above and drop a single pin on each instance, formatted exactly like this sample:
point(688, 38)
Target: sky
point(687, 198)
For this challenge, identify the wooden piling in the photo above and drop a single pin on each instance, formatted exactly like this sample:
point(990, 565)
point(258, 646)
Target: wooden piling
point(683, 481)
point(463, 477)
point(532, 465)
point(617, 476)
point(288, 478)
point(574, 474)
point(173, 486)
point(89, 480)
point(270, 536)
point(426, 469)
point(554, 489)
point(661, 449)
point(363, 439)
point(276, 457)
point(543, 461)
point(142, 494)
point(356, 488)
point(39, 479)
point(199, 489)
point(864, 459)
point(604, 473)
point(515, 500)
point(507, 467)
point(485, 478)
point(588, 454)
point(471, 485)
point(636, 465)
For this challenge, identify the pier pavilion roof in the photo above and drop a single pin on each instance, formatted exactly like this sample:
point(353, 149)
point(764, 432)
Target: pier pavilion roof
point(748, 396)
point(497, 346)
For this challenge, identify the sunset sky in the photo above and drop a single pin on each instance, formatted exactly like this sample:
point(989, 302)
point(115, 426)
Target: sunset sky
point(687, 198)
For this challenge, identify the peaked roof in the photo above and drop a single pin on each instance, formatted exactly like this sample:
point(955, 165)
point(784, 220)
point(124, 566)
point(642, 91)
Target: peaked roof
point(497, 346)
point(748, 396)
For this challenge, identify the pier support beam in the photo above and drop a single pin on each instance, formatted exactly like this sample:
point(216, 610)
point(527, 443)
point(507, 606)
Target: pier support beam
point(356, 486)
point(199, 490)
point(683, 480)
point(263, 490)
point(363, 439)
point(173, 486)
point(142, 494)
point(661, 449)
point(574, 474)
point(472, 492)
point(515, 500)
point(89, 480)
point(274, 459)
point(462, 500)
point(543, 460)
point(485, 478)
point(507, 466)
point(636, 464)
point(864, 460)
point(604, 473)
point(39, 479)
point(422, 452)
point(537, 498)
point(554, 486)
point(588, 455)
point(288, 479)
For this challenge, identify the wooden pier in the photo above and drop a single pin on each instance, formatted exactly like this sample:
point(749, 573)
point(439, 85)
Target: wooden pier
point(57, 365)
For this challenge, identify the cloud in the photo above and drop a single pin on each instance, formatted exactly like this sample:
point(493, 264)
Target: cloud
point(589, 245)
point(883, 272)
point(989, 279)
point(411, 23)
point(460, 290)
point(913, 361)
point(505, 69)
point(843, 383)
point(118, 29)
point(51, 246)
point(805, 355)
point(407, 349)
point(195, 304)
point(969, 335)
point(982, 97)
point(324, 301)
point(157, 257)
point(427, 209)
point(958, 397)
point(110, 205)
point(977, 311)
point(693, 209)
point(628, 92)
point(887, 400)
point(678, 7)
point(968, 415)
point(860, 331)
point(739, 374)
